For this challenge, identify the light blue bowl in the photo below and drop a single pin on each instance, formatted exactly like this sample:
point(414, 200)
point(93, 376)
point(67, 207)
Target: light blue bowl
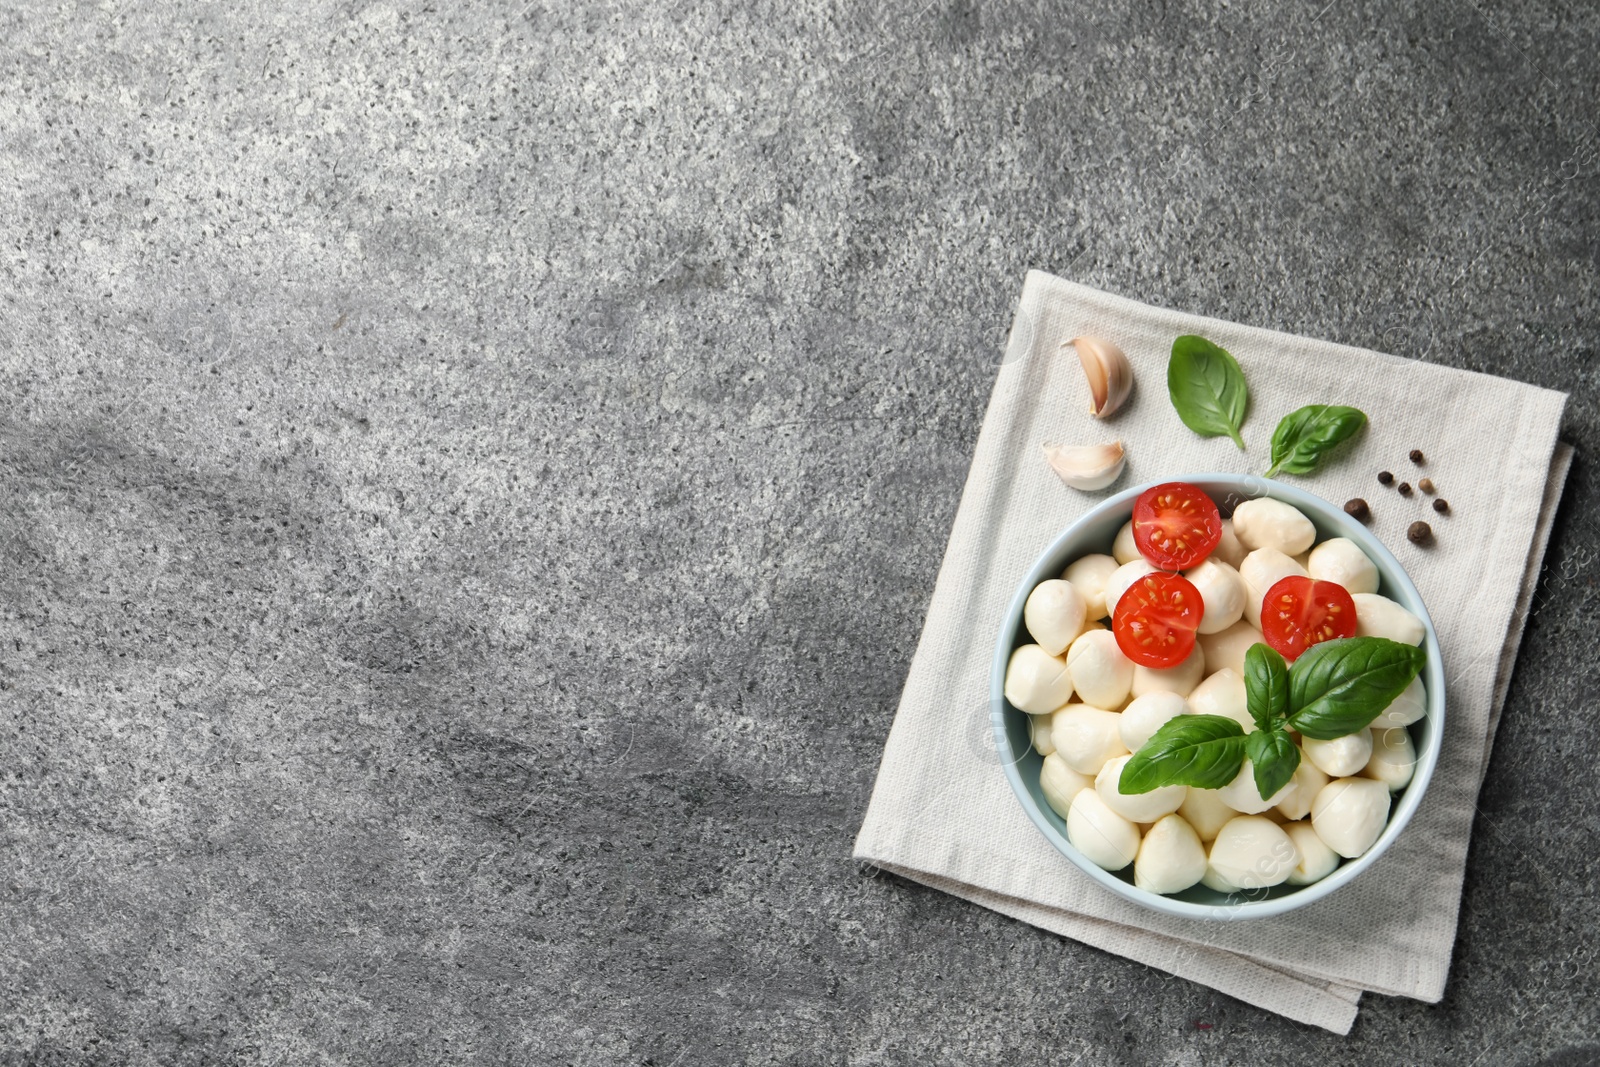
point(1094, 533)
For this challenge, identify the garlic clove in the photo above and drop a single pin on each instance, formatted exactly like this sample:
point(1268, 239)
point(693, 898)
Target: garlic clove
point(1086, 467)
point(1109, 373)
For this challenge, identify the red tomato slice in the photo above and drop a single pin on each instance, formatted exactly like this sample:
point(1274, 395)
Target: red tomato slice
point(1156, 619)
point(1175, 526)
point(1300, 612)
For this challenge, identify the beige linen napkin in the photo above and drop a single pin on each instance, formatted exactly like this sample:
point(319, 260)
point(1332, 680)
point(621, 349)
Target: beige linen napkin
point(942, 812)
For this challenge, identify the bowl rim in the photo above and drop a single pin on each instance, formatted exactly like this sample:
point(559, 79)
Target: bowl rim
point(1046, 566)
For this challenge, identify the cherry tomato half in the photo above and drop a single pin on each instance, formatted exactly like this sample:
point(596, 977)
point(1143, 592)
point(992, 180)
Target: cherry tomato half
point(1156, 619)
point(1175, 526)
point(1300, 612)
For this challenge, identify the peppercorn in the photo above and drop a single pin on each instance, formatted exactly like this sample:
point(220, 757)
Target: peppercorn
point(1441, 505)
point(1385, 478)
point(1405, 488)
point(1419, 533)
point(1426, 485)
point(1357, 509)
point(1416, 456)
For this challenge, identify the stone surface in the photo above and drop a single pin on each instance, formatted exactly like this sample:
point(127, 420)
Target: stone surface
point(473, 474)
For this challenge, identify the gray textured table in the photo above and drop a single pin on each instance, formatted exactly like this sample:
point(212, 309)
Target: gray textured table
point(473, 475)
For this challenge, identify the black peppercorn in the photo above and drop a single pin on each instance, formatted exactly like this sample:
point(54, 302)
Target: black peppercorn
point(1385, 478)
point(1405, 488)
point(1357, 509)
point(1419, 533)
point(1416, 456)
point(1426, 485)
point(1441, 505)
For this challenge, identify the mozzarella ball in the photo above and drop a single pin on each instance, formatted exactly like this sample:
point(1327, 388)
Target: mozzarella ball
point(1308, 781)
point(1123, 577)
point(1171, 858)
point(1206, 811)
point(1405, 709)
point(1054, 615)
point(1212, 880)
point(1104, 837)
point(1221, 591)
point(1394, 758)
point(1101, 674)
point(1222, 694)
point(1138, 807)
point(1262, 569)
point(1242, 795)
point(1378, 616)
point(1039, 734)
point(1036, 681)
point(1341, 757)
point(1086, 737)
point(1252, 853)
point(1339, 560)
point(1350, 813)
point(1228, 550)
point(1060, 783)
point(1147, 714)
point(1124, 549)
point(1226, 650)
point(1180, 679)
point(1317, 860)
point(1268, 523)
point(1088, 576)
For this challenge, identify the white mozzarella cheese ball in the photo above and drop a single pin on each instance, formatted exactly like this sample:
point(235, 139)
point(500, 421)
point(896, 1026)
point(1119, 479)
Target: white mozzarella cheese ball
point(1147, 714)
point(1228, 550)
point(1262, 569)
point(1308, 781)
point(1101, 674)
point(1252, 852)
point(1181, 679)
point(1242, 795)
point(1124, 549)
point(1138, 807)
point(1086, 737)
point(1171, 858)
point(1039, 734)
point(1123, 577)
point(1060, 783)
point(1222, 694)
point(1394, 757)
point(1341, 757)
point(1221, 591)
point(1405, 709)
point(1378, 616)
point(1206, 811)
point(1088, 575)
point(1350, 813)
point(1317, 860)
point(1104, 837)
point(1225, 651)
point(1268, 523)
point(1339, 560)
point(1212, 880)
point(1037, 682)
point(1054, 615)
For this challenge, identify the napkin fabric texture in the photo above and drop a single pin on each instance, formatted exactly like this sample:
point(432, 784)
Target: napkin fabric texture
point(942, 812)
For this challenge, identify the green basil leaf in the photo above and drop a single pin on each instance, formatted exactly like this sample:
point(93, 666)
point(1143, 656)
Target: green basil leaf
point(1303, 437)
point(1205, 751)
point(1274, 755)
point(1207, 388)
point(1266, 686)
point(1338, 687)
